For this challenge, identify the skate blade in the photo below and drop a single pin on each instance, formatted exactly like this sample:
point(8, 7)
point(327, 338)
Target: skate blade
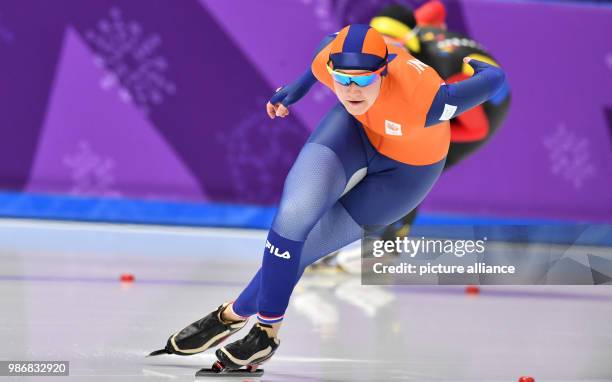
point(157, 352)
point(241, 373)
point(324, 270)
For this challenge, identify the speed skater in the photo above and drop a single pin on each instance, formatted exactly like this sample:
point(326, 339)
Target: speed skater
point(370, 161)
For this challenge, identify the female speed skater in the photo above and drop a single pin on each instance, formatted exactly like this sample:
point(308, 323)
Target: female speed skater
point(370, 161)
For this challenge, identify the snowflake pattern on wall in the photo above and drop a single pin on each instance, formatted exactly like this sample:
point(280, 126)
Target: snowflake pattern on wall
point(132, 60)
point(569, 156)
point(255, 168)
point(91, 173)
point(6, 35)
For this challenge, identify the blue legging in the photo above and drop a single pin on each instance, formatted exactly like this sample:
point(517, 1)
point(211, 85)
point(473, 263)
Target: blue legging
point(337, 184)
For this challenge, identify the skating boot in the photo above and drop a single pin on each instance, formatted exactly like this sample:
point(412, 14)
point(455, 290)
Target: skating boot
point(201, 335)
point(241, 358)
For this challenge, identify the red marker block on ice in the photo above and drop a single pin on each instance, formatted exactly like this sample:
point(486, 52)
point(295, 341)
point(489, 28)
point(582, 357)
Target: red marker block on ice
point(127, 278)
point(526, 379)
point(472, 289)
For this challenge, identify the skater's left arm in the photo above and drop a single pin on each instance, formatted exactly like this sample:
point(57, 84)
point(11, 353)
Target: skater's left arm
point(453, 99)
point(290, 94)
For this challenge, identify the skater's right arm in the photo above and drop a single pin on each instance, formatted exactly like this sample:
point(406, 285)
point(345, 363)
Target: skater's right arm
point(453, 99)
point(290, 94)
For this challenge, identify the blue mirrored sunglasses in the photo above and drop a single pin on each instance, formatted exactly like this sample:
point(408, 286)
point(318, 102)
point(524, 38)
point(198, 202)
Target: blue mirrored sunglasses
point(361, 80)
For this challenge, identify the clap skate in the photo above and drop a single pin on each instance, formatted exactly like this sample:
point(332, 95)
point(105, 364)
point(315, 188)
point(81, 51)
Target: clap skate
point(201, 335)
point(241, 358)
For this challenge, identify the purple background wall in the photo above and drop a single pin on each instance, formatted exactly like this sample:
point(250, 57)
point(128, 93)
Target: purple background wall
point(164, 100)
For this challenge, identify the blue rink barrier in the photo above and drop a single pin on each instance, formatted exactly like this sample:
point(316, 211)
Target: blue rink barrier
point(121, 210)
point(133, 211)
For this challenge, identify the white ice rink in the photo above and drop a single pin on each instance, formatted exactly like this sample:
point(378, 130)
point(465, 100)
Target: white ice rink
point(60, 299)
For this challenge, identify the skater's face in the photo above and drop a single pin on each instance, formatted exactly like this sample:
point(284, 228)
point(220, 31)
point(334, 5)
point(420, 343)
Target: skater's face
point(357, 99)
